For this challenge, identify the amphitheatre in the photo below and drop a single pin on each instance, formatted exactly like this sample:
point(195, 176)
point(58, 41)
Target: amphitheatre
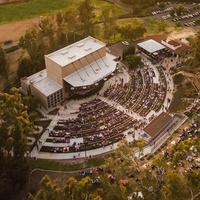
point(106, 100)
point(118, 104)
point(124, 107)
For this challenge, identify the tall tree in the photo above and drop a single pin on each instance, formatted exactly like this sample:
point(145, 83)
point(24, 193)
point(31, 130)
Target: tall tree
point(37, 46)
point(162, 25)
point(87, 17)
point(132, 30)
point(110, 27)
point(134, 61)
point(71, 18)
point(3, 64)
point(25, 67)
point(14, 125)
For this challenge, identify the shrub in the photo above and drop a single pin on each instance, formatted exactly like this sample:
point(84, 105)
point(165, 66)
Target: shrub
point(11, 49)
point(178, 78)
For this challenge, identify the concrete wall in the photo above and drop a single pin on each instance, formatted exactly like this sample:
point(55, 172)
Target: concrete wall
point(39, 96)
point(24, 85)
point(54, 71)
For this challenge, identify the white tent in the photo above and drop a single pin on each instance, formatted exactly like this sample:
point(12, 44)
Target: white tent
point(151, 46)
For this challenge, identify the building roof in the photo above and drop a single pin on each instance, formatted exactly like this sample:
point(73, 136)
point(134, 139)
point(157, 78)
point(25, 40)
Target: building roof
point(92, 73)
point(151, 46)
point(47, 86)
point(75, 51)
point(181, 50)
point(35, 77)
point(157, 125)
point(173, 43)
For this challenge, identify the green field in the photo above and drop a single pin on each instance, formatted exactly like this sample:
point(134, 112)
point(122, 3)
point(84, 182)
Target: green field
point(31, 9)
point(35, 8)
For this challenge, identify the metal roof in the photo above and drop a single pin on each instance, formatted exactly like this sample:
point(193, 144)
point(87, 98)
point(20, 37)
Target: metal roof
point(151, 46)
point(47, 86)
point(92, 73)
point(75, 51)
point(154, 128)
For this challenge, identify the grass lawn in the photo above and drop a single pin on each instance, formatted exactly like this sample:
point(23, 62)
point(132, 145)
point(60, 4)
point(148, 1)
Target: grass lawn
point(35, 8)
point(64, 166)
point(177, 103)
point(31, 9)
point(151, 25)
point(102, 5)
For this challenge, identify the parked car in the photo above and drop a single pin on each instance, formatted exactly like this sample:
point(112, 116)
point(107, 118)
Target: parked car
point(125, 43)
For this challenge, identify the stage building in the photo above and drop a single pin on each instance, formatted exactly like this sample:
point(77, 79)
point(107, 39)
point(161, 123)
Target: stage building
point(76, 69)
point(174, 47)
point(160, 126)
point(151, 48)
point(158, 47)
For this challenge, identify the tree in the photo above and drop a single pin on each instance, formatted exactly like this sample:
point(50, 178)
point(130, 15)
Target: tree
point(110, 27)
point(130, 50)
point(193, 184)
point(71, 18)
point(178, 24)
point(86, 17)
point(25, 67)
point(31, 103)
point(174, 186)
point(132, 30)
point(162, 5)
point(197, 22)
point(14, 125)
point(162, 25)
point(35, 44)
point(3, 64)
point(180, 10)
point(70, 189)
point(159, 180)
point(173, 12)
point(134, 61)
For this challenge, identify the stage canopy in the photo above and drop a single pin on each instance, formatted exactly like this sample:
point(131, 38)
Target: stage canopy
point(151, 46)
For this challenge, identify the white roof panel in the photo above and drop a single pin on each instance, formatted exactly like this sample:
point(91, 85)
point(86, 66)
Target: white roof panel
point(47, 86)
point(92, 73)
point(151, 46)
point(75, 51)
point(36, 77)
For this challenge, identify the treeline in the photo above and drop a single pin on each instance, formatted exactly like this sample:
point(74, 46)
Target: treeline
point(170, 176)
point(15, 125)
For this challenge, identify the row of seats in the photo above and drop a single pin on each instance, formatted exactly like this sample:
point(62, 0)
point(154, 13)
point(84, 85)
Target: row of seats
point(97, 122)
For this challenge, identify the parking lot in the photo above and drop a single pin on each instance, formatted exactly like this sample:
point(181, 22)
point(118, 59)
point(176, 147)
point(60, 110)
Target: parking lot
point(187, 18)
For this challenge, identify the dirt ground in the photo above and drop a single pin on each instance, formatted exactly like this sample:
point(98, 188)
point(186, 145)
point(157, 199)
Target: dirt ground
point(3, 1)
point(14, 31)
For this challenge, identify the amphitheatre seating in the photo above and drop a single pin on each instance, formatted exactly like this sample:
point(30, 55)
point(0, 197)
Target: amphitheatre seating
point(119, 93)
point(98, 123)
point(140, 94)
